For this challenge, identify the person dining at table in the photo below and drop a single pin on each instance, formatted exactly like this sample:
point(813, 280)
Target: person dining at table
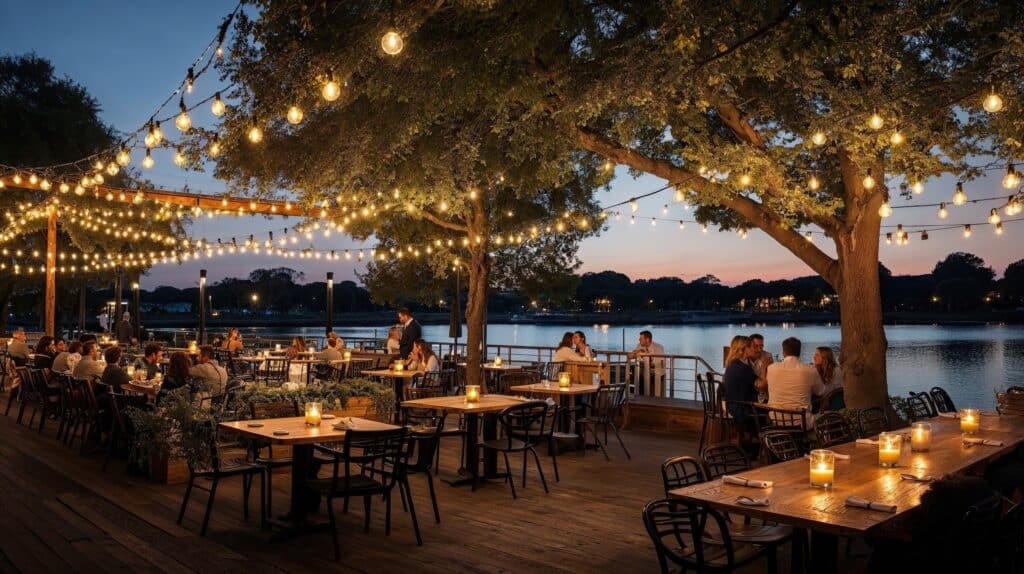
point(565, 353)
point(332, 351)
point(296, 349)
point(17, 349)
point(113, 375)
point(579, 343)
point(89, 366)
point(740, 384)
point(792, 384)
point(45, 352)
point(177, 375)
point(209, 372)
point(828, 368)
point(339, 343)
point(233, 342)
point(151, 356)
point(423, 358)
point(65, 361)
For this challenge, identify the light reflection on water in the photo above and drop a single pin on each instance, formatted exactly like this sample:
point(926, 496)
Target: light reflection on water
point(968, 361)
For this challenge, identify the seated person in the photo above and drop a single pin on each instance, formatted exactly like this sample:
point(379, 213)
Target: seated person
point(393, 344)
point(332, 352)
point(44, 354)
point(17, 350)
point(740, 383)
point(233, 342)
point(211, 375)
point(177, 375)
point(113, 374)
point(296, 349)
point(828, 369)
point(89, 366)
point(65, 361)
point(565, 353)
point(150, 361)
point(792, 384)
point(338, 341)
point(423, 358)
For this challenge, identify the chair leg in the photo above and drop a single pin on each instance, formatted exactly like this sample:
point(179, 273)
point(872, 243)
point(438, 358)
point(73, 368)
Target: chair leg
point(184, 501)
point(618, 436)
point(553, 448)
point(246, 488)
point(525, 464)
point(366, 512)
point(334, 529)
point(404, 483)
point(433, 498)
point(209, 507)
point(264, 509)
point(597, 439)
point(42, 418)
point(508, 473)
point(540, 471)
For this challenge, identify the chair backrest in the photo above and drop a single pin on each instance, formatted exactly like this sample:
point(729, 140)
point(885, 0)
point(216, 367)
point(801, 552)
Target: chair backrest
point(608, 401)
point(775, 418)
point(528, 418)
point(707, 399)
point(552, 369)
point(723, 459)
point(677, 530)
point(831, 429)
point(357, 366)
point(506, 381)
point(1010, 403)
point(943, 402)
point(834, 400)
point(871, 421)
point(383, 450)
point(432, 380)
point(920, 406)
point(781, 445)
point(273, 410)
point(277, 367)
point(680, 471)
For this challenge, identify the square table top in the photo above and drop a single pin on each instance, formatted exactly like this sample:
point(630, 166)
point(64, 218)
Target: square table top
point(553, 389)
point(487, 404)
point(795, 502)
point(298, 432)
point(493, 367)
point(404, 374)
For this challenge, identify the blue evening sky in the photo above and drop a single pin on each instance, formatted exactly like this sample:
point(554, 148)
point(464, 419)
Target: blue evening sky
point(130, 55)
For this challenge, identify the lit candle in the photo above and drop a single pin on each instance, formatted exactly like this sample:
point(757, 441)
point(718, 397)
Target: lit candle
point(192, 347)
point(497, 361)
point(563, 380)
point(889, 449)
point(823, 468)
point(313, 414)
point(399, 366)
point(472, 393)
point(348, 355)
point(277, 347)
point(920, 437)
point(969, 421)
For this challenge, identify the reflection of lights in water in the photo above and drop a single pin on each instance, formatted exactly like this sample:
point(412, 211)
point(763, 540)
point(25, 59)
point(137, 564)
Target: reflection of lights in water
point(604, 328)
point(596, 326)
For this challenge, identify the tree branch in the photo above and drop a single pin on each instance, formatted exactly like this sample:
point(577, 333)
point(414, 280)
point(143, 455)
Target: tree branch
point(764, 29)
point(442, 223)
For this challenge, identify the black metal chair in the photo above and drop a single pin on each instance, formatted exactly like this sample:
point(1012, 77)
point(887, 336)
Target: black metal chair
point(525, 419)
point(437, 380)
point(122, 430)
point(708, 403)
point(551, 370)
point(920, 406)
point(504, 382)
point(780, 446)
point(236, 369)
point(680, 471)
point(379, 459)
point(428, 417)
point(834, 400)
point(724, 459)
point(217, 469)
point(943, 402)
point(425, 431)
point(356, 367)
point(270, 410)
point(871, 421)
point(831, 429)
point(682, 538)
point(275, 370)
point(607, 406)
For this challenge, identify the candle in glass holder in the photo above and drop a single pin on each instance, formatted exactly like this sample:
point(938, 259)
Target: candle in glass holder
point(969, 421)
point(192, 347)
point(563, 380)
point(130, 371)
point(920, 437)
point(823, 468)
point(399, 366)
point(347, 355)
point(497, 360)
point(889, 449)
point(313, 411)
point(472, 393)
point(277, 347)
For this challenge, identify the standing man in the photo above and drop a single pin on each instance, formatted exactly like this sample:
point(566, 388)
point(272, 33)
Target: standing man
point(652, 368)
point(410, 332)
point(123, 330)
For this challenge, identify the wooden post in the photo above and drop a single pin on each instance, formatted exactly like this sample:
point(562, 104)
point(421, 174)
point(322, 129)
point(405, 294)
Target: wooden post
point(51, 271)
point(330, 301)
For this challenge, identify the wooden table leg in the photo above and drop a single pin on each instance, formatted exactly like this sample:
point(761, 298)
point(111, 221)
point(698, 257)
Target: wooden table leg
point(824, 552)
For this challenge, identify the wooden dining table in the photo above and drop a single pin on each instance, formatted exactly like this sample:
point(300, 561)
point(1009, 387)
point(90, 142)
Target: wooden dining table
point(793, 501)
point(398, 380)
point(302, 438)
point(566, 397)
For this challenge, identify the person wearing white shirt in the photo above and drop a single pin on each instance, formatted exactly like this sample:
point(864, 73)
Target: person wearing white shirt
point(422, 358)
point(565, 353)
point(792, 384)
point(652, 368)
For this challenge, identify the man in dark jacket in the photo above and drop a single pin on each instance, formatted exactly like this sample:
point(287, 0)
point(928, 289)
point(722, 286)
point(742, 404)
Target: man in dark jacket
point(123, 330)
point(410, 332)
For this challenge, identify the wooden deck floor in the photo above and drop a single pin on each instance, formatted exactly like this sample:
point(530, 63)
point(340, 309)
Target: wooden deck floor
point(62, 512)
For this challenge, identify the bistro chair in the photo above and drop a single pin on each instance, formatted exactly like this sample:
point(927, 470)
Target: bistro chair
point(871, 421)
point(425, 430)
point(236, 369)
point(606, 408)
point(721, 459)
point(1010, 403)
point(920, 406)
point(275, 370)
point(682, 539)
point(780, 446)
point(680, 471)
point(217, 468)
point(270, 410)
point(356, 367)
point(122, 430)
point(769, 418)
point(834, 400)
point(421, 416)
point(710, 411)
point(12, 380)
point(504, 382)
point(439, 380)
point(523, 420)
point(943, 402)
point(369, 464)
point(551, 370)
point(831, 429)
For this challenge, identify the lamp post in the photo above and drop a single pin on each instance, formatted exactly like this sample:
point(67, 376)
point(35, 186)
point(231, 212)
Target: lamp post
point(255, 303)
point(136, 312)
point(115, 316)
point(330, 301)
point(202, 306)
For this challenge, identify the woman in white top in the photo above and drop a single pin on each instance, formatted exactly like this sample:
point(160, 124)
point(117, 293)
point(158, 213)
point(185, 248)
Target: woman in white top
point(828, 369)
point(423, 358)
point(394, 337)
point(579, 341)
point(565, 353)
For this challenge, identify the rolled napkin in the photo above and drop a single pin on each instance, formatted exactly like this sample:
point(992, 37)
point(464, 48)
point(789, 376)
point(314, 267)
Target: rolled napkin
point(948, 415)
point(744, 481)
point(982, 441)
point(867, 441)
point(859, 502)
point(837, 455)
point(748, 501)
point(915, 478)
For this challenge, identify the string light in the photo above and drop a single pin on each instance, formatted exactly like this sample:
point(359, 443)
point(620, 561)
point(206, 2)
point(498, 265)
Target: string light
point(993, 216)
point(190, 80)
point(214, 149)
point(392, 43)
point(294, 115)
point(999, 228)
point(868, 182)
point(179, 158)
point(819, 138)
point(967, 231)
point(147, 162)
point(809, 236)
point(813, 183)
point(608, 166)
point(917, 187)
point(634, 206)
point(124, 157)
point(943, 212)
point(183, 122)
point(1012, 178)
point(992, 102)
point(896, 138)
point(959, 198)
point(875, 122)
point(885, 210)
point(331, 90)
point(745, 180)
point(217, 108)
point(255, 133)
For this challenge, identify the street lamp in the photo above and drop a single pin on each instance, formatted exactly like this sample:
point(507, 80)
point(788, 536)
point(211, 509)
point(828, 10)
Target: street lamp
point(255, 303)
point(330, 301)
point(202, 306)
point(136, 312)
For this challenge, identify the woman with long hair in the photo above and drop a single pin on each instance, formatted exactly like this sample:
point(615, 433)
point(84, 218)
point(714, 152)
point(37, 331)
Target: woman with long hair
point(297, 347)
point(828, 368)
point(177, 374)
point(565, 353)
point(423, 358)
point(740, 382)
point(579, 341)
point(233, 342)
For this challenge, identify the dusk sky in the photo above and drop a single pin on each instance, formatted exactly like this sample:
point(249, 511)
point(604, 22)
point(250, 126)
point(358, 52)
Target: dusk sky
point(131, 55)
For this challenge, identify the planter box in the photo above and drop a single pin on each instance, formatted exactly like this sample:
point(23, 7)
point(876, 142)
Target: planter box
point(163, 470)
point(361, 407)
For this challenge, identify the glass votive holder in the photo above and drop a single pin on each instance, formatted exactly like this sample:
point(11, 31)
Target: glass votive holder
point(472, 394)
point(563, 380)
point(313, 414)
point(970, 421)
point(497, 360)
point(823, 468)
point(347, 355)
point(889, 449)
point(920, 437)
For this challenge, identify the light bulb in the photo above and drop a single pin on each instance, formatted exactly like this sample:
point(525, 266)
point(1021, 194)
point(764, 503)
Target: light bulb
point(999, 228)
point(294, 115)
point(868, 182)
point(993, 103)
point(896, 138)
point(64, 187)
point(967, 231)
point(633, 205)
point(664, 210)
point(813, 183)
point(214, 148)
point(392, 43)
point(943, 212)
point(44, 185)
point(917, 187)
point(158, 134)
point(331, 91)
point(150, 139)
point(632, 219)
point(1012, 178)
point(124, 157)
point(679, 197)
point(79, 190)
point(885, 210)
point(183, 122)
point(217, 107)
point(875, 122)
point(959, 198)
point(888, 238)
point(112, 169)
point(98, 178)
point(147, 162)
point(255, 133)
point(993, 216)
point(179, 158)
point(924, 235)
point(818, 138)
point(608, 165)
point(745, 179)
point(809, 236)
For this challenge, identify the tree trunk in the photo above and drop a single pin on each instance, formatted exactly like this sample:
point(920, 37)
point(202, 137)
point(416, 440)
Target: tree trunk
point(476, 317)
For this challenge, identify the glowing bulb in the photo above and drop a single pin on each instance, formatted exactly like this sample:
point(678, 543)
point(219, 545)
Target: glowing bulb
point(79, 190)
point(392, 43)
point(98, 178)
point(112, 169)
point(294, 115)
point(868, 182)
point(331, 91)
point(1012, 178)
point(875, 122)
point(959, 198)
point(158, 135)
point(664, 210)
point(967, 231)
point(217, 107)
point(813, 183)
point(634, 206)
point(808, 236)
point(179, 158)
point(885, 210)
point(992, 103)
point(917, 187)
point(214, 148)
point(64, 188)
point(943, 212)
point(896, 138)
point(255, 133)
point(993, 216)
point(608, 165)
point(745, 179)
point(999, 228)
point(888, 238)
point(818, 138)
point(147, 162)
point(124, 157)
point(679, 196)
point(183, 122)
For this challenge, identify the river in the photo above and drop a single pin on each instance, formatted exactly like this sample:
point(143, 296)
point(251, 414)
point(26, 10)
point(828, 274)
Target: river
point(971, 362)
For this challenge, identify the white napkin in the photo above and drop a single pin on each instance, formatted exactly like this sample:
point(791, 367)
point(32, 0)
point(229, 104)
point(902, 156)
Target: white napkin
point(949, 415)
point(915, 478)
point(748, 501)
point(835, 454)
point(983, 441)
point(859, 502)
point(345, 424)
point(744, 481)
point(550, 401)
point(867, 441)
